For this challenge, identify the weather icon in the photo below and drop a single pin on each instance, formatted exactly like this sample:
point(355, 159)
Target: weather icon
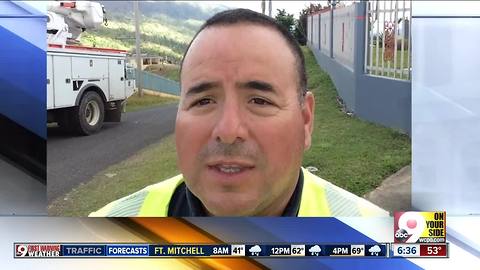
point(315, 250)
point(255, 250)
point(374, 250)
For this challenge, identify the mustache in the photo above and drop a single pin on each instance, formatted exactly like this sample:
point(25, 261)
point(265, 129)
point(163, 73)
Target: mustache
point(237, 149)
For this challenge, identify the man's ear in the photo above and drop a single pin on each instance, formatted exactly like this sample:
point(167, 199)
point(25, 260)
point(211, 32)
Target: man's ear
point(308, 110)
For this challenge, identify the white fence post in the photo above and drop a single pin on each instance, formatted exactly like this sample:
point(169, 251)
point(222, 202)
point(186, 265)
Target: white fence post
point(378, 58)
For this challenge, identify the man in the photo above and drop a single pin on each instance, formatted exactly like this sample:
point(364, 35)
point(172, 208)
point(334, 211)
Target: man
point(244, 120)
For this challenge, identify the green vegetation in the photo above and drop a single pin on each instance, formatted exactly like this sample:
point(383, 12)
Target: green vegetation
point(351, 153)
point(169, 71)
point(166, 27)
point(136, 103)
point(286, 20)
point(161, 36)
point(154, 163)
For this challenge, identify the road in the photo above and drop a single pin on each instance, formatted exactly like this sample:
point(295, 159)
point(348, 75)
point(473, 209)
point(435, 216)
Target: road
point(72, 160)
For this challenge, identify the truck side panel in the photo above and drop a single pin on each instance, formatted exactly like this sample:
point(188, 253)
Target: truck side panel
point(62, 82)
point(89, 68)
point(116, 79)
point(70, 73)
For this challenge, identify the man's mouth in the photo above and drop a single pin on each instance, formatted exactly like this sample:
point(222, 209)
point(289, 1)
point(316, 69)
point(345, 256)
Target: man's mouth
point(230, 168)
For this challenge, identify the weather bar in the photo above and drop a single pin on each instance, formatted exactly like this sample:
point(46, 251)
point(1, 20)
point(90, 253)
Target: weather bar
point(83, 250)
point(420, 250)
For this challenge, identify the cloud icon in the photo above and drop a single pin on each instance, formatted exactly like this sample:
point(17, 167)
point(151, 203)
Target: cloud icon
point(374, 250)
point(255, 250)
point(315, 250)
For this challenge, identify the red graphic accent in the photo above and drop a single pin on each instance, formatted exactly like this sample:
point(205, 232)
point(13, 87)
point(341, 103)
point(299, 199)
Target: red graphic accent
point(68, 4)
point(411, 223)
point(437, 250)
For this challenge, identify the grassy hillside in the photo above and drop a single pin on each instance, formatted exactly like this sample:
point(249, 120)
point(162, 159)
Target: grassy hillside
point(166, 27)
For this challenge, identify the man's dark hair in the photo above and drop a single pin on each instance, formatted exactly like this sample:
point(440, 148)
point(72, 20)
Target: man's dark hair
point(236, 16)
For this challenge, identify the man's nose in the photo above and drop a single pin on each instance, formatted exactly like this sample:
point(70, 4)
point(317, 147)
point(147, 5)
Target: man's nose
point(230, 125)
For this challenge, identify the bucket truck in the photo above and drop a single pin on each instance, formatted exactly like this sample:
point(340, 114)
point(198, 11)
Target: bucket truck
point(86, 86)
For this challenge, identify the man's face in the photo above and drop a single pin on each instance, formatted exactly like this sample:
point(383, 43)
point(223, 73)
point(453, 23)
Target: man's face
point(240, 129)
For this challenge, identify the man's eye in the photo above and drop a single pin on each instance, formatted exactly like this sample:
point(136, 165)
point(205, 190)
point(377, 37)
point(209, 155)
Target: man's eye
point(202, 102)
point(260, 101)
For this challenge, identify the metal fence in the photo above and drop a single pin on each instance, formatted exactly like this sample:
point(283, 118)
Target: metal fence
point(158, 83)
point(388, 38)
point(369, 66)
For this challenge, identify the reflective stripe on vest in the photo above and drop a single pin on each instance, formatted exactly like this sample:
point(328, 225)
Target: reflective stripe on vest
point(319, 198)
point(151, 201)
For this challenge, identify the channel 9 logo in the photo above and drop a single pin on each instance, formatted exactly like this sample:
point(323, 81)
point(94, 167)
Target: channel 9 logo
point(419, 227)
point(20, 250)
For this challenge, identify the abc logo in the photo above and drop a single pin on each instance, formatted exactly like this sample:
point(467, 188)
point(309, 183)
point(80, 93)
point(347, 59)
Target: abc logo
point(409, 226)
point(401, 235)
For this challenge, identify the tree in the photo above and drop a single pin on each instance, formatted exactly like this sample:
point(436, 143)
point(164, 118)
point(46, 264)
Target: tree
point(301, 27)
point(300, 31)
point(285, 19)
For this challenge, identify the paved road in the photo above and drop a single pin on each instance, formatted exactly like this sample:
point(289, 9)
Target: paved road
point(72, 160)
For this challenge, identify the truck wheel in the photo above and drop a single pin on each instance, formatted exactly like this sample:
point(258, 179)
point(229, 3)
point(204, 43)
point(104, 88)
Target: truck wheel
point(88, 116)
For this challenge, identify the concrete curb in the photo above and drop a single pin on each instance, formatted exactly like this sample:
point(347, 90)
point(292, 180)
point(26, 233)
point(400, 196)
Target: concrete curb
point(394, 194)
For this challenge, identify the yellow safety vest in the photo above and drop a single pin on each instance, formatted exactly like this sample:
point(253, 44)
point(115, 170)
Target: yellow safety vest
point(320, 198)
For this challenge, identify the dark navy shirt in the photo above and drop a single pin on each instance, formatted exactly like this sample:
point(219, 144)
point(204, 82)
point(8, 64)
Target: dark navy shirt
point(184, 204)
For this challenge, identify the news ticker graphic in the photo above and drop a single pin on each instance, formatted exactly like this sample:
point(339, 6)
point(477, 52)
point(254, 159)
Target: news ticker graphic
point(420, 250)
point(79, 250)
point(419, 227)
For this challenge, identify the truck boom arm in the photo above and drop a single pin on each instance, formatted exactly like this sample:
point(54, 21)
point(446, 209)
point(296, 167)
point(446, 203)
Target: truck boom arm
point(68, 19)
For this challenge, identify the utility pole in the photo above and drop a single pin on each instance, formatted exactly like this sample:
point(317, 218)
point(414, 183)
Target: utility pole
point(270, 8)
point(263, 6)
point(137, 48)
point(332, 7)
